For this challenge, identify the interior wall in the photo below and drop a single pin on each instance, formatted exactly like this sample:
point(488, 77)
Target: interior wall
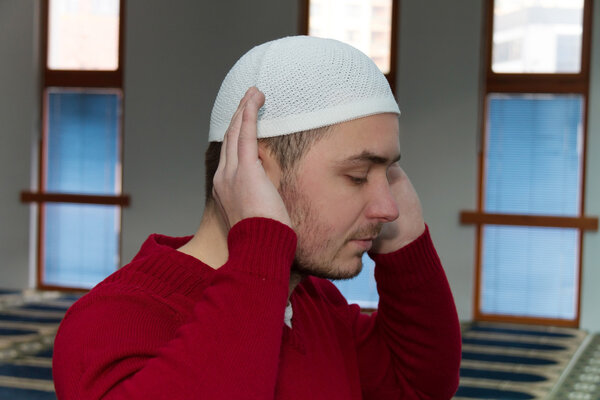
point(19, 116)
point(438, 92)
point(590, 279)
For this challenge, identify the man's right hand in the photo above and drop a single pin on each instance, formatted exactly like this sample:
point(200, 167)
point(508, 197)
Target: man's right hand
point(241, 187)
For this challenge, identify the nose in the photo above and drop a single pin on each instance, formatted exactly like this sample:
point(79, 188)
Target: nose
point(382, 205)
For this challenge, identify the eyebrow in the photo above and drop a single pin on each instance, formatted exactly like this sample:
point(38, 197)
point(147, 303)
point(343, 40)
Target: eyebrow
point(370, 157)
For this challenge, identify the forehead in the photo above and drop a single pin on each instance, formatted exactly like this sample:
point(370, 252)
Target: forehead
point(375, 135)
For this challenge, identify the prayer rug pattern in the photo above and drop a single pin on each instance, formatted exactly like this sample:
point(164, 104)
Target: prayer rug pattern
point(503, 361)
point(500, 361)
point(583, 380)
point(28, 324)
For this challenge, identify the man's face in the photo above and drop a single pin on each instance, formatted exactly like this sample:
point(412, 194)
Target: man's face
point(338, 195)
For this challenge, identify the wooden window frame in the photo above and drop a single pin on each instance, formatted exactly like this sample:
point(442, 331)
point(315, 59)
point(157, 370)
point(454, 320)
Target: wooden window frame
point(304, 15)
point(514, 83)
point(71, 79)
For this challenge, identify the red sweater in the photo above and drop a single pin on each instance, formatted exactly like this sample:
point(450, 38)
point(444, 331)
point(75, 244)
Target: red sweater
point(167, 326)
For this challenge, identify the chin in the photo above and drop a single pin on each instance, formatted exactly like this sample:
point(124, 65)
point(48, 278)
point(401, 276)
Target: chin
point(332, 271)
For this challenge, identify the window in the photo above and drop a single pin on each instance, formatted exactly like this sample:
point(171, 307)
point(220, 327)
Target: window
point(531, 212)
point(79, 189)
point(546, 36)
point(83, 35)
point(368, 25)
point(362, 289)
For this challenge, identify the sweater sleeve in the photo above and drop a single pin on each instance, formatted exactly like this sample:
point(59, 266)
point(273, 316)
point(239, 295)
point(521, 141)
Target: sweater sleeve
point(410, 348)
point(124, 344)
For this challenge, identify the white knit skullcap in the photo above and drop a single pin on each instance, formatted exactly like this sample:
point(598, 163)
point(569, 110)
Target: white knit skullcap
point(308, 83)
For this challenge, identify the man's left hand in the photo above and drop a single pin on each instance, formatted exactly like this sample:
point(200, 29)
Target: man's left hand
point(410, 224)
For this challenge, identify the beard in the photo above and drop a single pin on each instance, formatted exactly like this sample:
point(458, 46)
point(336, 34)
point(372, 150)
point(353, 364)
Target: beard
point(319, 252)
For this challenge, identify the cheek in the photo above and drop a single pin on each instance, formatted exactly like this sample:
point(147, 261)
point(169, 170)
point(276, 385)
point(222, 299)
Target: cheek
point(336, 205)
point(336, 214)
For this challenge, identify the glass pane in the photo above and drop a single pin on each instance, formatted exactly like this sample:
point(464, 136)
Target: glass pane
point(537, 36)
point(361, 290)
point(364, 24)
point(534, 153)
point(82, 144)
point(81, 244)
point(83, 35)
point(530, 272)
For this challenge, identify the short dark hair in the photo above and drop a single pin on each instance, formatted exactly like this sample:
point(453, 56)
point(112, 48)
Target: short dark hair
point(287, 150)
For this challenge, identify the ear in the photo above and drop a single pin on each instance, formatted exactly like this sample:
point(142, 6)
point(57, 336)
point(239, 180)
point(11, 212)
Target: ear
point(270, 164)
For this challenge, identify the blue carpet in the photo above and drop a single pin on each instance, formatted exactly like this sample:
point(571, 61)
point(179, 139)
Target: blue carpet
point(507, 359)
point(516, 331)
point(28, 318)
point(70, 297)
point(46, 353)
point(583, 379)
point(483, 393)
point(25, 371)
point(15, 331)
point(27, 375)
point(513, 344)
point(43, 307)
point(500, 375)
point(501, 361)
point(21, 388)
point(25, 394)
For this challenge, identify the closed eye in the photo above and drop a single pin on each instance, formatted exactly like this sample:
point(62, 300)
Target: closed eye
point(357, 180)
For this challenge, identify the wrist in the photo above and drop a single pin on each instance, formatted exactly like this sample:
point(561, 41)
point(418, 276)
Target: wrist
point(266, 247)
point(397, 238)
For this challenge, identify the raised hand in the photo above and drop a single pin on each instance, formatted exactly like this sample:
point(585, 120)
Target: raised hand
point(409, 225)
point(241, 187)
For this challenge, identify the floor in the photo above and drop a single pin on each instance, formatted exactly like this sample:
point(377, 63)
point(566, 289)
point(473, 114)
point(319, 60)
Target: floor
point(500, 361)
point(503, 361)
point(28, 322)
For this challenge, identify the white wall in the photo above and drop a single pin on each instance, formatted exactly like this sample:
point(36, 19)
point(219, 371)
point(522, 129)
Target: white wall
point(590, 288)
point(438, 92)
point(178, 52)
point(19, 116)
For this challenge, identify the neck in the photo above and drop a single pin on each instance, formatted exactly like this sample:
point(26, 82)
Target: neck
point(295, 279)
point(209, 244)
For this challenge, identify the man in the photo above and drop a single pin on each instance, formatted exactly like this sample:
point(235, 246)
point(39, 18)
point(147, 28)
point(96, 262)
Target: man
point(306, 180)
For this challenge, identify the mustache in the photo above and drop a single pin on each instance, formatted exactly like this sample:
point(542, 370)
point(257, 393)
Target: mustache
point(370, 231)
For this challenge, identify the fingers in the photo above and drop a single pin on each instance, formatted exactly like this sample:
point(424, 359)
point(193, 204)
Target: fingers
point(230, 141)
point(395, 173)
point(409, 225)
point(222, 154)
point(243, 122)
point(233, 124)
point(241, 187)
point(247, 141)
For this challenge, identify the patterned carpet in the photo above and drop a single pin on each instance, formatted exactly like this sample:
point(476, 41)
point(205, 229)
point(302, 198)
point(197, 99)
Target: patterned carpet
point(28, 323)
point(582, 381)
point(500, 361)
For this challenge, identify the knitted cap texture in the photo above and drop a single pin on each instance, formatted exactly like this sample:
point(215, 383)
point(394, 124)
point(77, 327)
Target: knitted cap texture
point(308, 83)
